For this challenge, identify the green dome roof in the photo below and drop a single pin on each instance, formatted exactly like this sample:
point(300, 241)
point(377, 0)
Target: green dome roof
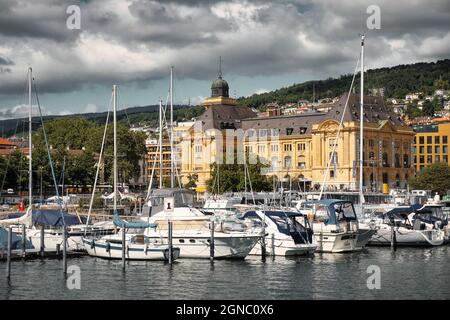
point(219, 88)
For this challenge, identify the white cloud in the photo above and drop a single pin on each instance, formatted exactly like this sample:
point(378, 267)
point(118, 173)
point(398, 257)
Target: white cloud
point(90, 108)
point(259, 91)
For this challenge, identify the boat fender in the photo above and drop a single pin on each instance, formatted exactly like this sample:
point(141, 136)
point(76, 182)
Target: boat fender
point(108, 247)
point(93, 244)
point(146, 248)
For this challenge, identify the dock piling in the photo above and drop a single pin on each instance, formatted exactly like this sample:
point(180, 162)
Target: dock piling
point(272, 242)
point(169, 230)
point(24, 241)
point(42, 250)
point(64, 250)
point(8, 261)
point(123, 247)
point(211, 243)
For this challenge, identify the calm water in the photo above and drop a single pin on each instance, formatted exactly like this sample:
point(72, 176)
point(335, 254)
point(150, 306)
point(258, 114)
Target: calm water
point(408, 273)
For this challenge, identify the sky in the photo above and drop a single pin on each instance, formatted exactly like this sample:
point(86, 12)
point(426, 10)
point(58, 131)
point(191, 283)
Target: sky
point(264, 45)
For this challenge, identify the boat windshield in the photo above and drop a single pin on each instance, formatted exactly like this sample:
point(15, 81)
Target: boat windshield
point(344, 211)
point(182, 199)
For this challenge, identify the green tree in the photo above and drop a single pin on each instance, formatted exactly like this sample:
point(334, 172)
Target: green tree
point(435, 178)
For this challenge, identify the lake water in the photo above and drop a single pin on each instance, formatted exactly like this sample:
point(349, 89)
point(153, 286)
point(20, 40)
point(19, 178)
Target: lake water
point(408, 273)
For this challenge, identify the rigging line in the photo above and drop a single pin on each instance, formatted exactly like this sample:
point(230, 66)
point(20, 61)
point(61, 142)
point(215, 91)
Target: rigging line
point(49, 153)
point(333, 157)
point(98, 166)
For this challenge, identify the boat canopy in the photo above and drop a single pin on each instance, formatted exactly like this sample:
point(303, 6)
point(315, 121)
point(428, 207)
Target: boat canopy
point(118, 222)
point(182, 197)
point(333, 210)
point(54, 218)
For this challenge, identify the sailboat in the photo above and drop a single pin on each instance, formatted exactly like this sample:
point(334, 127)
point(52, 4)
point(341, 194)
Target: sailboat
point(191, 227)
point(137, 245)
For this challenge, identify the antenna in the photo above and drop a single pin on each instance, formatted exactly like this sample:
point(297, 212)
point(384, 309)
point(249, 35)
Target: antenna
point(220, 67)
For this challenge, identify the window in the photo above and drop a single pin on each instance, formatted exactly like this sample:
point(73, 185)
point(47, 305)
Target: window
point(437, 149)
point(421, 140)
point(288, 147)
point(303, 130)
point(275, 132)
point(429, 140)
point(437, 140)
point(274, 148)
point(414, 140)
point(421, 149)
point(429, 159)
point(301, 147)
point(250, 133)
point(397, 160)
point(385, 160)
point(437, 158)
point(444, 139)
point(263, 133)
point(444, 149)
point(421, 159)
point(445, 159)
point(274, 163)
point(287, 162)
point(198, 148)
point(405, 161)
point(334, 157)
point(261, 149)
point(301, 163)
point(289, 131)
point(371, 143)
point(331, 173)
point(415, 159)
point(429, 149)
point(248, 149)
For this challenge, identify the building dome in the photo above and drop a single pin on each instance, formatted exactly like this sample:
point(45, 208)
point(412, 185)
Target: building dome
point(219, 88)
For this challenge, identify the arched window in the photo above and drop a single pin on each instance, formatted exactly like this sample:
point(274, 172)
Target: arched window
point(397, 180)
point(274, 163)
point(397, 160)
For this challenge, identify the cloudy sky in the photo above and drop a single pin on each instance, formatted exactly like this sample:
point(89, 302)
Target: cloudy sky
point(264, 45)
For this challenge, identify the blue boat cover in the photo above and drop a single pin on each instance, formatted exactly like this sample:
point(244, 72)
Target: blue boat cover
point(118, 222)
point(16, 241)
point(54, 218)
point(402, 212)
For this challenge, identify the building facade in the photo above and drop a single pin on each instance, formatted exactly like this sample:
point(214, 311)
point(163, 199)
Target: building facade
point(431, 144)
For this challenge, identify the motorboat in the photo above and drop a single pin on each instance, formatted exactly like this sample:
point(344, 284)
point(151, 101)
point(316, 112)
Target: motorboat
point(335, 224)
point(191, 228)
point(287, 233)
point(416, 225)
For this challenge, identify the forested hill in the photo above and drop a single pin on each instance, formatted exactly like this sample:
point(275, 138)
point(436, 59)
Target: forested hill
point(146, 115)
point(397, 82)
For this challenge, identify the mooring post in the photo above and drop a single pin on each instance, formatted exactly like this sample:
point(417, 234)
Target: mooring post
point(211, 242)
point(24, 241)
point(393, 237)
point(8, 261)
point(263, 245)
point(169, 230)
point(272, 240)
point(42, 241)
point(64, 250)
point(123, 247)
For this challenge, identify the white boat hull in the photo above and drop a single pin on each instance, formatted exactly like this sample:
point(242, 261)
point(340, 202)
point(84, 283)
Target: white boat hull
point(336, 242)
point(198, 246)
point(284, 247)
point(407, 237)
point(107, 250)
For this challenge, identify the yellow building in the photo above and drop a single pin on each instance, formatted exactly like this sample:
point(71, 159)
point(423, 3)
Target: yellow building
point(298, 147)
point(431, 144)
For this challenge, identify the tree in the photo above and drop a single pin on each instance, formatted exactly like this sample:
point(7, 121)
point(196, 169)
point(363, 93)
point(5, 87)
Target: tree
point(428, 109)
point(435, 178)
point(192, 181)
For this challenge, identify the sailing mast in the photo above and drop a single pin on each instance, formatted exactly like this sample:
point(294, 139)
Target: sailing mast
point(160, 146)
point(172, 167)
point(361, 129)
point(30, 143)
point(115, 145)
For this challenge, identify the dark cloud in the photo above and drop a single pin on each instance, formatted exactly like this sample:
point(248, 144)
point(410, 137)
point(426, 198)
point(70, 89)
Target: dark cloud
point(136, 41)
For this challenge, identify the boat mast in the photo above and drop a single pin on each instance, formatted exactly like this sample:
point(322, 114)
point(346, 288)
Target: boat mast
point(115, 145)
point(172, 167)
point(30, 143)
point(361, 129)
point(160, 146)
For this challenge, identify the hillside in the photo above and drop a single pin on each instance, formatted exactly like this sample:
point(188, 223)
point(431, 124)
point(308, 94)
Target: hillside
point(146, 115)
point(397, 81)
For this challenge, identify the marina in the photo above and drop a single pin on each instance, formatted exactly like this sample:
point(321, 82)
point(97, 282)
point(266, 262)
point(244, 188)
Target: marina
point(405, 274)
